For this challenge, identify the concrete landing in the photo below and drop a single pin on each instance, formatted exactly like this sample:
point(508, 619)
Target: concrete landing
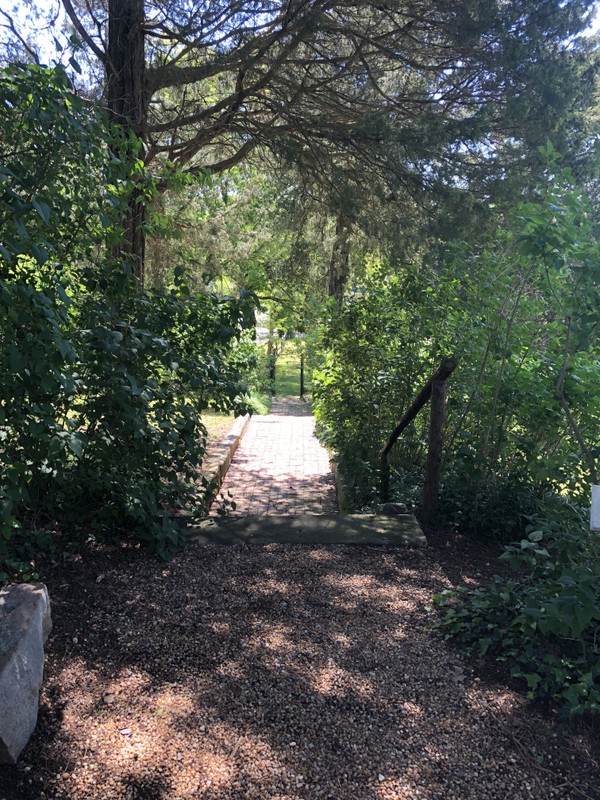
point(402, 530)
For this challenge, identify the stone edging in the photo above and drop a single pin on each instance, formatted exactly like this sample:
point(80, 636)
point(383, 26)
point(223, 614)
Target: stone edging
point(343, 501)
point(215, 467)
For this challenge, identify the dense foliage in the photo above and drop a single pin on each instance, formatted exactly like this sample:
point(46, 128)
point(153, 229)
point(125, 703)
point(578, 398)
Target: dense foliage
point(523, 413)
point(103, 385)
point(541, 625)
point(416, 102)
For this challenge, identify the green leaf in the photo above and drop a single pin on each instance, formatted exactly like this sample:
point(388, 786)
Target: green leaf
point(39, 253)
point(533, 680)
point(42, 209)
point(484, 645)
point(76, 445)
point(583, 615)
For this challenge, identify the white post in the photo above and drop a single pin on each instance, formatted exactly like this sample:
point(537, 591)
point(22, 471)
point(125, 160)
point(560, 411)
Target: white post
point(595, 512)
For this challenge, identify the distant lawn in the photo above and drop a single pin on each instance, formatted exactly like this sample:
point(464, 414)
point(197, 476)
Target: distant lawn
point(287, 373)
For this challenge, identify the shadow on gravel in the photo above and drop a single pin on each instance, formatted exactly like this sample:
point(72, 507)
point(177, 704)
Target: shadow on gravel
point(285, 672)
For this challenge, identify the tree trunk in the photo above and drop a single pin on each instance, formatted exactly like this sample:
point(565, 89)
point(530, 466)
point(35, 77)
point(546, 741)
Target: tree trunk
point(127, 106)
point(340, 259)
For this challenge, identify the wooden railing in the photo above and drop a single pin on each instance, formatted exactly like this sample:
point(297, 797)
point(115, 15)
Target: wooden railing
point(435, 391)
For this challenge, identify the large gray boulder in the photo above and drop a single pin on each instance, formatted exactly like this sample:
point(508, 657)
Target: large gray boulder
point(25, 623)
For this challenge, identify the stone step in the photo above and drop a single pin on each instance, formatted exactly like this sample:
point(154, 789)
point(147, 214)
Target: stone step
point(401, 530)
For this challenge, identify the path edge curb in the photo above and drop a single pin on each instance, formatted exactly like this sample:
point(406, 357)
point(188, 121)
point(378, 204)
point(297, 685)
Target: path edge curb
point(342, 496)
point(215, 467)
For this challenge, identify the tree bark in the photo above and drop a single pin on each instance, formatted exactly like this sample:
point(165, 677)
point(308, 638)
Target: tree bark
point(127, 106)
point(340, 259)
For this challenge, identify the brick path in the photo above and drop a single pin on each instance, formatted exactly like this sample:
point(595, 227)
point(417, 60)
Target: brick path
point(280, 467)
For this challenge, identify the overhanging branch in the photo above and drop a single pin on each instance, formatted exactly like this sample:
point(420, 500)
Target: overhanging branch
point(101, 55)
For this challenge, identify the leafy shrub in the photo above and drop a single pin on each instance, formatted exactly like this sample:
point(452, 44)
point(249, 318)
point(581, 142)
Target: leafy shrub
point(103, 384)
point(543, 624)
point(256, 365)
point(523, 412)
point(495, 506)
point(371, 361)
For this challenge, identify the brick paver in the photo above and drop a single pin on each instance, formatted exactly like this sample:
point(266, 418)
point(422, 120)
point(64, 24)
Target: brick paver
point(280, 467)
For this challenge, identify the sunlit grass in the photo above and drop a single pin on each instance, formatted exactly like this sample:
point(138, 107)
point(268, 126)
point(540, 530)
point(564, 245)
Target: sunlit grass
point(287, 373)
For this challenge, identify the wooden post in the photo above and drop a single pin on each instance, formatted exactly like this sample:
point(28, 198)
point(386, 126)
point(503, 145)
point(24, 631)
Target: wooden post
point(272, 360)
point(302, 376)
point(445, 369)
point(433, 470)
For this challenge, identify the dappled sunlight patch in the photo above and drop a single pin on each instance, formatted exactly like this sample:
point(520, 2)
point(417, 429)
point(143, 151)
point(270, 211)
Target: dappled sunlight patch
point(95, 693)
point(277, 638)
point(332, 680)
point(388, 599)
point(384, 595)
point(394, 788)
point(346, 604)
point(230, 669)
point(354, 592)
point(355, 584)
point(323, 556)
point(160, 740)
point(406, 573)
point(211, 770)
point(171, 703)
point(221, 628)
point(342, 640)
point(411, 709)
point(388, 593)
point(215, 769)
point(493, 700)
point(131, 729)
point(468, 581)
point(270, 586)
point(282, 648)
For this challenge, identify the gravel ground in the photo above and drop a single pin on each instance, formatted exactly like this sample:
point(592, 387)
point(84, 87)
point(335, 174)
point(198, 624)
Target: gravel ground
point(284, 672)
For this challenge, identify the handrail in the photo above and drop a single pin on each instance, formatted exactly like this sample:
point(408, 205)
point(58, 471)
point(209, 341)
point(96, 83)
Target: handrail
point(434, 389)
